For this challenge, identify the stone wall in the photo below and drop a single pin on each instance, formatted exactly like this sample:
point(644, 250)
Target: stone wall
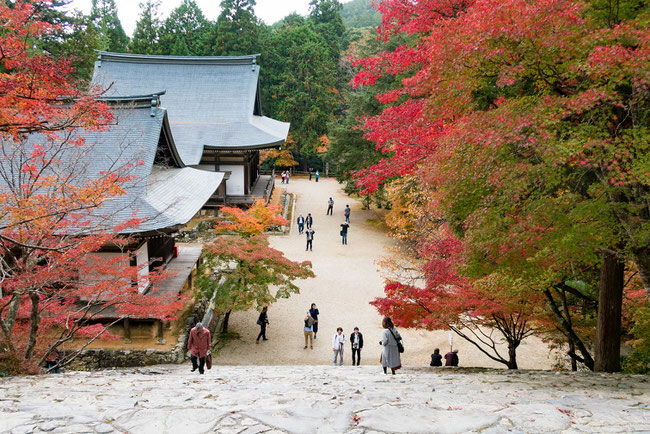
point(91, 359)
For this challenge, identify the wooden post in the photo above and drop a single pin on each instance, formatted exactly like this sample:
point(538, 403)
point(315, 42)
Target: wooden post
point(159, 333)
point(127, 331)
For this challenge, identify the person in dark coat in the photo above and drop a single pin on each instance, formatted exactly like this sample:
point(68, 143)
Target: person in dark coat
point(436, 358)
point(451, 358)
point(262, 321)
point(344, 232)
point(199, 346)
point(310, 238)
point(314, 312)
point(356, 340)
point(309, 221)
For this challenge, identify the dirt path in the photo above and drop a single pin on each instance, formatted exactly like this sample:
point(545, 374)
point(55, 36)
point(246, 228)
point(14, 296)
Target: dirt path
point(347, 279)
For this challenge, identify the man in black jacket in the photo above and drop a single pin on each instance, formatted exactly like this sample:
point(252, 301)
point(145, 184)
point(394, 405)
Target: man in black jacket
point(356, 339)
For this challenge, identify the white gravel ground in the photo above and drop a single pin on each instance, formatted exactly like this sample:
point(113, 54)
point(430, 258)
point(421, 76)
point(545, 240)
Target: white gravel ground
point(347, 279)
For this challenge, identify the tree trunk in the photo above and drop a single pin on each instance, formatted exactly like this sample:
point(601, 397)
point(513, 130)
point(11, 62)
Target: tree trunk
point(610, 301)
point(642, 261)
point(226, 318)
point(34, 322)
point(512, 354)
point(572, 345)
point(586, 357)
point(12, 311)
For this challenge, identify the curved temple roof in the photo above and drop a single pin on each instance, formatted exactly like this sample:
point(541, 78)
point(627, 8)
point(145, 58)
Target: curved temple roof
point(212, 102)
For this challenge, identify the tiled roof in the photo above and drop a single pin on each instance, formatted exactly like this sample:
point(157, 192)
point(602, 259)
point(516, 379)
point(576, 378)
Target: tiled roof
point(162, 196)
point(212, 101)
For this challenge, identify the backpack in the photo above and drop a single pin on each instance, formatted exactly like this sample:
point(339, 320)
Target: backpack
point(309, 321)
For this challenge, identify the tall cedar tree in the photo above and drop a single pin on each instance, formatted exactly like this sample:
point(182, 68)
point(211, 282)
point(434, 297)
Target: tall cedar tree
point(186, 32)
point(299, 82)
point(240, 271)
point(237, 29)
point(146, 36)
point(53, 286)
point(111, 34)
point(528, 126)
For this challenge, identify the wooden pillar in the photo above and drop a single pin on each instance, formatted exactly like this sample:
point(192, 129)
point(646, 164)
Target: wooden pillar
point(159, 333)
point(127, 330)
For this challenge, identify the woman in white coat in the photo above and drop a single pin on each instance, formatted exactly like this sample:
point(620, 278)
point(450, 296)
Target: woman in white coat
point(390, 357)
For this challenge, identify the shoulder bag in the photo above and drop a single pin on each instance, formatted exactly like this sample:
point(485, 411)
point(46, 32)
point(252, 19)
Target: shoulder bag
point(400, 347)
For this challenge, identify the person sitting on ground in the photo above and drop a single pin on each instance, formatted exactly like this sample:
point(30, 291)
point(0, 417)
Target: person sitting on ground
point(451, 358)
point(436, 358)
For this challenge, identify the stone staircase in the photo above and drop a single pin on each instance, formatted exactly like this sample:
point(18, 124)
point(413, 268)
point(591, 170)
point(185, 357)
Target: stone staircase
point(323, 399)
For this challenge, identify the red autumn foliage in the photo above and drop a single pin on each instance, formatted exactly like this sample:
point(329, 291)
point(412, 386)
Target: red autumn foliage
point(54, 285)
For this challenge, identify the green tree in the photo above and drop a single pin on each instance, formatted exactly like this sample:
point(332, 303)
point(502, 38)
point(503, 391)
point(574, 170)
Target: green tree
point(237, 29)
point(146, 37)
point(326, 17)
point(359, 14)
point(73, 36)
point(111, 34)
point(299, 82)
point(186, 31)
point(241, 271)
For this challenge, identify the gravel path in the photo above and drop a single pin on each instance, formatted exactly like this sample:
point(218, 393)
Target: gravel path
point(323, 399)
point(347, 279)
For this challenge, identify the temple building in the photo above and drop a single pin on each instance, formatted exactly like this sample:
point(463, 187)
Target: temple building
point(214, 108)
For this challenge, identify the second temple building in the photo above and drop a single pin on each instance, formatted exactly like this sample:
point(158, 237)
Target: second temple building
point(214, 109)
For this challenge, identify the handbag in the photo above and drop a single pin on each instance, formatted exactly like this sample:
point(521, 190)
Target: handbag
point(259, 322)
point(400, 347)
point(208, 360)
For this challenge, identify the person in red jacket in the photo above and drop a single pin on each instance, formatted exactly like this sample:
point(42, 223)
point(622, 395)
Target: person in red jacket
point(451, 358)
point(199, 346)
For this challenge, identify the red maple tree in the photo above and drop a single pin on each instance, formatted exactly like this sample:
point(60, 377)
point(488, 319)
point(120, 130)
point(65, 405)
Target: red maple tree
point(53, 285)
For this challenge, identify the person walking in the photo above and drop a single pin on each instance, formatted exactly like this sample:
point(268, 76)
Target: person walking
point(310, 238)
point(314, 312)
point(310, 173)
point(356, 340)
point(262, 321)
point(338, 341)
point(317, 175)
point(451, 358)
point(346, 213)
point(301, 224)
point(309, 331)
point(330, 206)
point(436, 358)
point(344, 232)
point(284, 175)
point(309, 221)
point(287, 176)
point(390, 357)
point(199, 346)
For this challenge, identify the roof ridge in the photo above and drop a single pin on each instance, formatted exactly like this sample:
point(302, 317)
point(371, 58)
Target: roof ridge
point(250, 59)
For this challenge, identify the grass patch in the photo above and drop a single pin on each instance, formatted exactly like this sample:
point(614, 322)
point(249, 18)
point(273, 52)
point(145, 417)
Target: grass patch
point(379, 224)
point(224, 339)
